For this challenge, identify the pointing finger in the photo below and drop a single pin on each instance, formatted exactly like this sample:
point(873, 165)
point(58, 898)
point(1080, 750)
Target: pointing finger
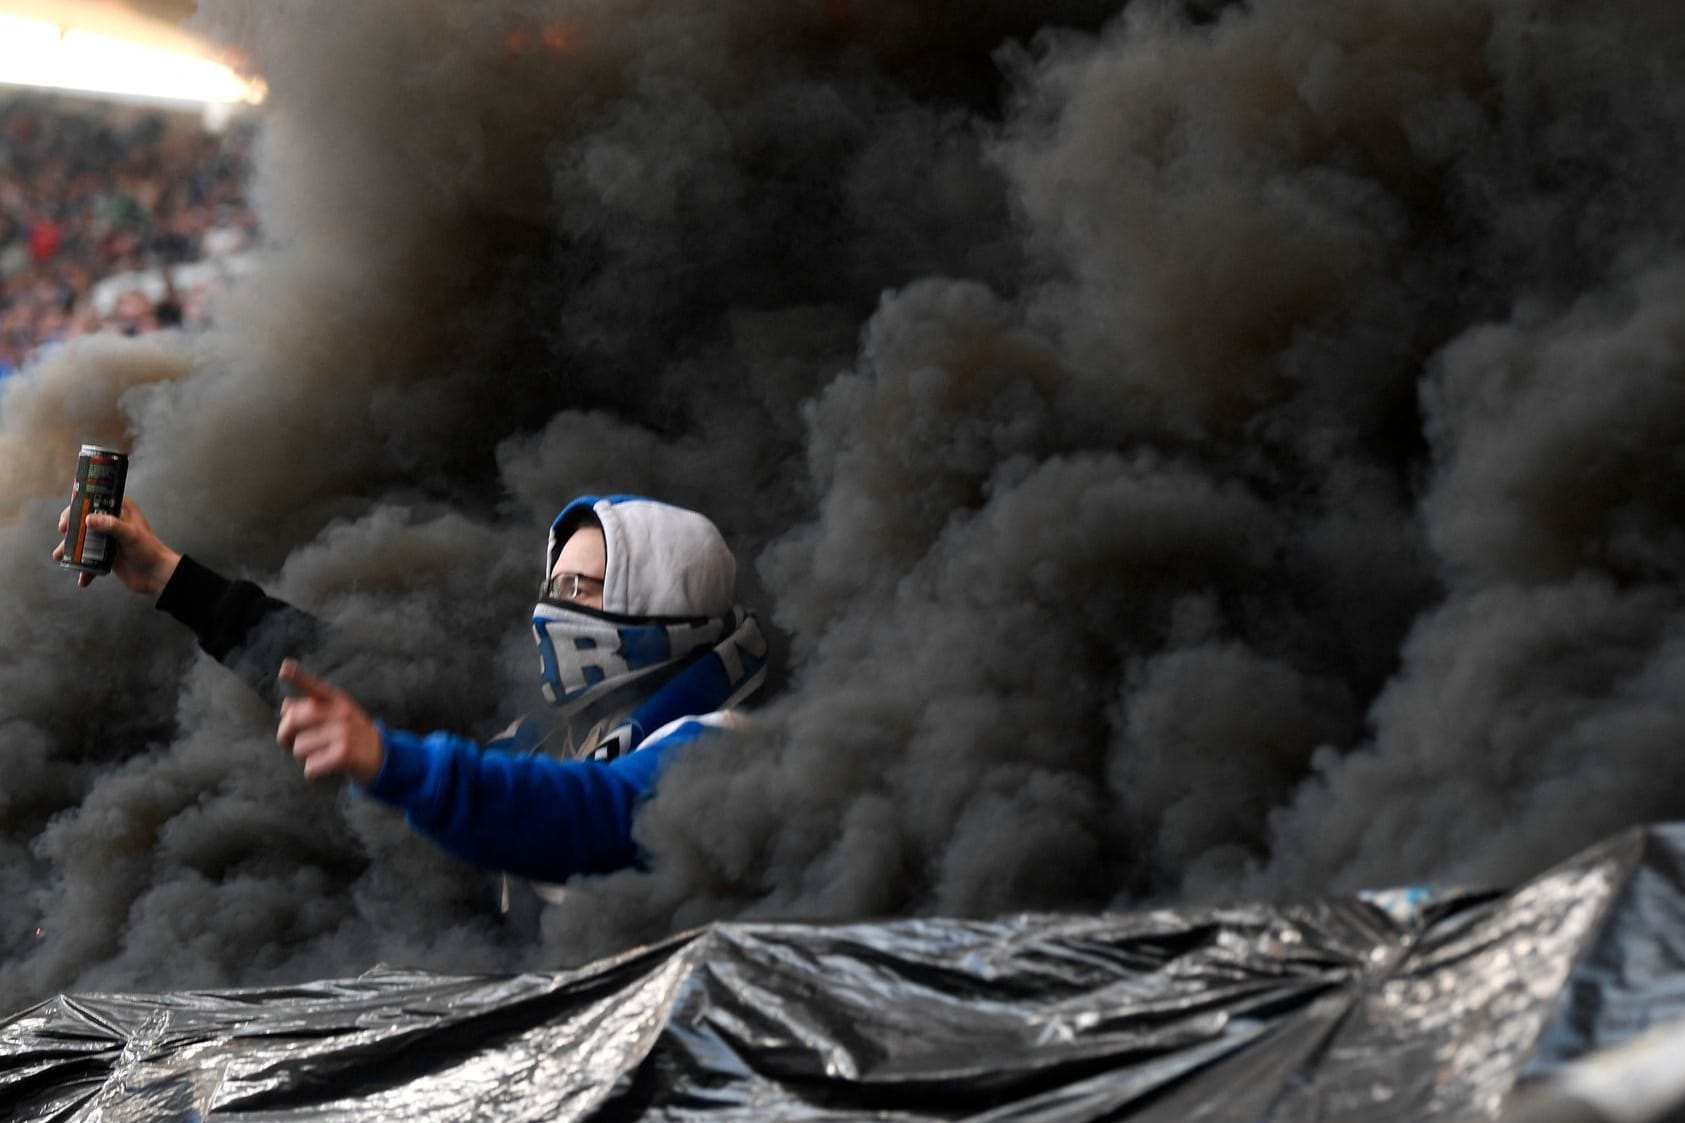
point(306, 683)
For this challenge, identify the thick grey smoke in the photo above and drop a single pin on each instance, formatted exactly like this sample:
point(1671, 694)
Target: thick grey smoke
point(1183, 452)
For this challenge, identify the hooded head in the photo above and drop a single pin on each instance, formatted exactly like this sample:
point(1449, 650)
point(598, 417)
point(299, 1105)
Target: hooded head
point(659, 560)
point(667, 581)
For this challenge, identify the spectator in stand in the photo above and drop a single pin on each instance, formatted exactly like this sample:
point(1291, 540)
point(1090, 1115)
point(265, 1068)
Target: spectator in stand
point(83, 198)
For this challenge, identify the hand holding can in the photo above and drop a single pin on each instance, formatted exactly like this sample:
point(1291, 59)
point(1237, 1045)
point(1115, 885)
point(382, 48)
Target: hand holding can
point(137, 556)
point(98, 489)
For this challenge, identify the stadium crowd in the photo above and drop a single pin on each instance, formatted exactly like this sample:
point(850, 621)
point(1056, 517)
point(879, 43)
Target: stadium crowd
point(87, 195)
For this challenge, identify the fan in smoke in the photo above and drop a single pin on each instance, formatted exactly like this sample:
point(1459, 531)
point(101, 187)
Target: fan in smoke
point(1184, 456)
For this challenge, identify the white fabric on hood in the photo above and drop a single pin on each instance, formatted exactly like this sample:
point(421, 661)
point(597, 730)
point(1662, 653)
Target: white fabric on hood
point(661, 560)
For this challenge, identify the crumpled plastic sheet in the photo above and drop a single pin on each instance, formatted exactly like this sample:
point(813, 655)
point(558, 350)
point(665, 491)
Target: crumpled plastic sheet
point(1394, 1008)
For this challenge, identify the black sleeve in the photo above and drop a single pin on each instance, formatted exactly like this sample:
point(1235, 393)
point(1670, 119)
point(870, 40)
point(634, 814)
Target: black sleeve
point(239, 625)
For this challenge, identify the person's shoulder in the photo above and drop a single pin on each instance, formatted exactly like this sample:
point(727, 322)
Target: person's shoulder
point(696, 726)
point(679, 733)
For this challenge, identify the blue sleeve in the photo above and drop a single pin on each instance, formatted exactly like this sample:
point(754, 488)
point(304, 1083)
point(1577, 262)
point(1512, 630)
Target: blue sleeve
point(534, 816)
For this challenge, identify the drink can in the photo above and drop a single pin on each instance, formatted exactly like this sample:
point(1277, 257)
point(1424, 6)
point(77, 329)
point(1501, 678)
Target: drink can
point(100, 474)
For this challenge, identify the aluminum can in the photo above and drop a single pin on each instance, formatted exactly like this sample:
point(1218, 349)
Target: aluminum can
point(100, 475)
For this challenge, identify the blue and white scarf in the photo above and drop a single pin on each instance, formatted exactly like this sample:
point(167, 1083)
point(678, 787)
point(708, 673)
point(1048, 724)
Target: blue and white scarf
point(636, 674)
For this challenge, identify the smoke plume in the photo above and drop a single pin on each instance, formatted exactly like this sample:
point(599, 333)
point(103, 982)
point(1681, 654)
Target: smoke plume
point(1182, 451)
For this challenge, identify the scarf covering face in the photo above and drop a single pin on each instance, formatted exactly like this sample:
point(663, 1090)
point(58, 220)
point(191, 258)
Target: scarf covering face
point(668, 643)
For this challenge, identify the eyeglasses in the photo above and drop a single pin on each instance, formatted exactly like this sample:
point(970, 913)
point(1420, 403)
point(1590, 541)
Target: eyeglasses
point(571, 586)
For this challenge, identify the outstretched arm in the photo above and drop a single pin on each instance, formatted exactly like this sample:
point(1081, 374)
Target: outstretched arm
point(534, 816)
point(235, 622)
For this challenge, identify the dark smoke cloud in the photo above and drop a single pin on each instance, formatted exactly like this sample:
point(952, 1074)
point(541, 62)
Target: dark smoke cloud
point(1183, 452)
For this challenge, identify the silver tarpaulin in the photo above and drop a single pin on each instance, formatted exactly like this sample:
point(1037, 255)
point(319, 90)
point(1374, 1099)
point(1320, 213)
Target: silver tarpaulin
point(1395, 1007)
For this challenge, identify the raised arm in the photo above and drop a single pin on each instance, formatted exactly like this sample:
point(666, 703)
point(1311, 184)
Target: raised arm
point(235, 622)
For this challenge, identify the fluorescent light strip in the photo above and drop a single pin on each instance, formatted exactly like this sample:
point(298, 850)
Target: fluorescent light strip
point(36, 53)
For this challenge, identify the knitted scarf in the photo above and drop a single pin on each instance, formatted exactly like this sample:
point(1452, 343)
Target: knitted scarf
point(631, 675)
